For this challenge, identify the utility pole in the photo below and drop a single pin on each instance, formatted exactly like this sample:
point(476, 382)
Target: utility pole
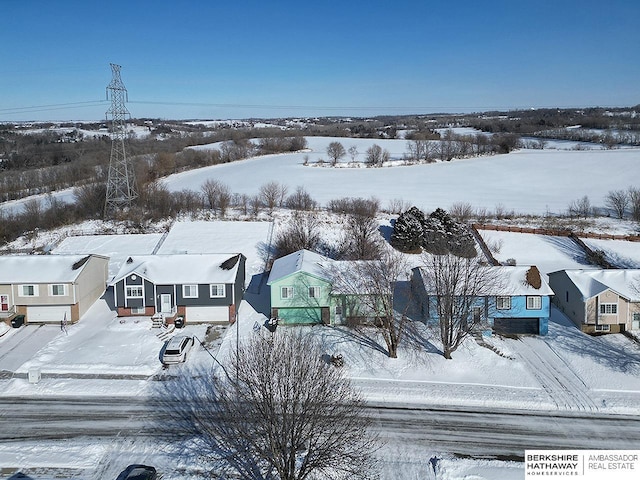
point(121, 183)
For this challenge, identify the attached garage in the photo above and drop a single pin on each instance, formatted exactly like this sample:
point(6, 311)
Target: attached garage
point(301, 316)
point(48, 314)
point(517, 325)
point(207, 314)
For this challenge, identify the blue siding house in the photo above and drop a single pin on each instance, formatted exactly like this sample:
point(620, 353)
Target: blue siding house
point(199, 288)
point(513, 305)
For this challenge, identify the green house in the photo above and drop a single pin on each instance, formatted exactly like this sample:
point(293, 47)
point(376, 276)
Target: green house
point(308, 288)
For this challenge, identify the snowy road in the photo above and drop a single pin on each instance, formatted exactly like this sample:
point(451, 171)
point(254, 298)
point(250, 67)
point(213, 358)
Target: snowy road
point(465, 431)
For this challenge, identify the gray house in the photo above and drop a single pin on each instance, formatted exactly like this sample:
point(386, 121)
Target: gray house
point(199, 288)
point(50, 288)
point(599, 301)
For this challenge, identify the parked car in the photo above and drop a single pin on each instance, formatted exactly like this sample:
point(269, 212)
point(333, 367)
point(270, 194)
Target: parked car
point(138, 472)
point(177, 349)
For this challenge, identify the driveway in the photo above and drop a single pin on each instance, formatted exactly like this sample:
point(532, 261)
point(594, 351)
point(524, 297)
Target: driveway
point(20, 344)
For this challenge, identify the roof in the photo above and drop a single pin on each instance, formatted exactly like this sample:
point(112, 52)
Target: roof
point(42, 268)
point(507, 280)
point(182, 269)
point(625, 282)
point(300, 261)
point(350, 272)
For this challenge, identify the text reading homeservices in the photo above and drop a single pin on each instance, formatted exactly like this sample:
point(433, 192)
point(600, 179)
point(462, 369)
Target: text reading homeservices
point(583, 464)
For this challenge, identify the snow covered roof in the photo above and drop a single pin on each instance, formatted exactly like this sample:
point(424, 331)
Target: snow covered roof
point(508, 280)
point(182, 269)
point(625, 282)
point(300, 261)
point(42, 268)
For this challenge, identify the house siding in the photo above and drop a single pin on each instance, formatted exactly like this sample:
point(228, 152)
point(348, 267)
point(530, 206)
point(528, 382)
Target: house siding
point(568, 297)
point(300, 308)
point(90, 284)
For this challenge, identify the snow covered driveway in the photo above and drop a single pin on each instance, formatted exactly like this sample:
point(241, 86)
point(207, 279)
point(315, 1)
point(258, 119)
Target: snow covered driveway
point(566, 389)
point(19, 345)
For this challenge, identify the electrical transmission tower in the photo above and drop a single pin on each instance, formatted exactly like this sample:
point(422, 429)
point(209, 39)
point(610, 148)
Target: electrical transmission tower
point(121, 188)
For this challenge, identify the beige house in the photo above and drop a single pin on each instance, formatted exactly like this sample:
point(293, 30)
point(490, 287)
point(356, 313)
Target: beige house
point(50, 288)
point(599, 301)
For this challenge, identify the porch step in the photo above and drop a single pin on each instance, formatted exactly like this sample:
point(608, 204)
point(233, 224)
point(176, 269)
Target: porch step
point(166, 332)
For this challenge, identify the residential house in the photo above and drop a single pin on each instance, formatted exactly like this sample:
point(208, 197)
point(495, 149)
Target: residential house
point(50, 288)
point(308, 288)
point(599, 301)
point(509, 304)
point(198, 288)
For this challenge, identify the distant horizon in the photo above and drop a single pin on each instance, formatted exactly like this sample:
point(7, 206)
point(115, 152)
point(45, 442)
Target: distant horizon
point(305, 117)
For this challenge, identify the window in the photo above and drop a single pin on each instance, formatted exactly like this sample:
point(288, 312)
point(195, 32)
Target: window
point(137, 310)
point(608, 309)
point(503, 303)
point(477, 314)
point(58, 290)
point(28, 290)
point(636, 317)
point(286, 292)
point(190, 291)
point(603, 328)
point(4, 303)
point(314, 292)
point(134, 292)
point(217, 290)
point(534, 302)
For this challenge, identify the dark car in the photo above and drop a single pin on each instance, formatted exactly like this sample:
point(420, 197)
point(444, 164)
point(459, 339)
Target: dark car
point(138, 472)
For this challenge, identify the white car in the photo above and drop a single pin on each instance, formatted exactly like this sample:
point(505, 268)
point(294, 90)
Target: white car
point(177, 349)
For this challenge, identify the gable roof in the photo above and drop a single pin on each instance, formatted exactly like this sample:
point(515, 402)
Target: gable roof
point(42, 268)
point(182, 269)
point(300, 261)
point(625, 282)
point(508, 281)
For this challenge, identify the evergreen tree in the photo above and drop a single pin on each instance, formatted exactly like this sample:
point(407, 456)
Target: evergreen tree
point(407, 233)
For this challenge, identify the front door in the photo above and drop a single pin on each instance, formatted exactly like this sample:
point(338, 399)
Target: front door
point(4, 303)
point(165, 303)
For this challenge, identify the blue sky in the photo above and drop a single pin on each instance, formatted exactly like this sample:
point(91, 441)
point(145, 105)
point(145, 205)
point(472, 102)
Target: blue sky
point(240, 59)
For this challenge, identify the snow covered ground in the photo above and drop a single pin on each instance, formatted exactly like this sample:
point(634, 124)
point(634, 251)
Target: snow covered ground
point(619, 252)
point(105, 355)
point(526, 181)
point(548, 253)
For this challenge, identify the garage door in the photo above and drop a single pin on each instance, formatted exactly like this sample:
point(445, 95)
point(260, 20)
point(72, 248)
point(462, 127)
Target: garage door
point(300, 316)
point(516, 325)
point(207, 314)
point(51, 314)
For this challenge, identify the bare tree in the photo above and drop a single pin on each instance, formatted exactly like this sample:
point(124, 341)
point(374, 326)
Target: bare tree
point(271, 194)
point(353, 152)
point(362, 240)
point(372, 283)
point(217, 194)
point(454, 286)
point(301, 200)
point(634, 203)
point(581, 208)
point(335, 151)
point(420, 150)
point(282, 413)
point(618, 201)
point(301, 232)
point(376, 156)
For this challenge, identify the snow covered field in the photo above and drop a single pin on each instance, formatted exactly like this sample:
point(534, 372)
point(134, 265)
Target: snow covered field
point(526, 181)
